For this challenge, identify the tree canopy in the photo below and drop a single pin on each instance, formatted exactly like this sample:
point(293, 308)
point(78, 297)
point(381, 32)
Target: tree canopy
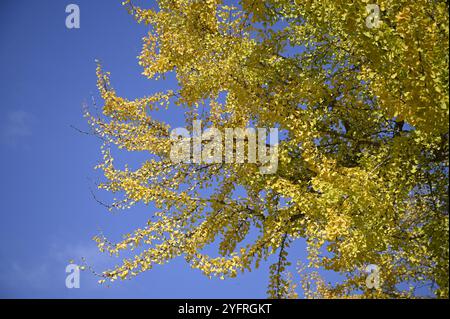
point(360, 99)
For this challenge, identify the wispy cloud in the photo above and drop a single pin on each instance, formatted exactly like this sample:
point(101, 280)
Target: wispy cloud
point(77, 252)
point(33, 275)
point(16, 127)
point(46, 275)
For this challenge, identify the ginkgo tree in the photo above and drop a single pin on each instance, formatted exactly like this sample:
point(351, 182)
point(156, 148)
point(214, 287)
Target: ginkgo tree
point(360, 97)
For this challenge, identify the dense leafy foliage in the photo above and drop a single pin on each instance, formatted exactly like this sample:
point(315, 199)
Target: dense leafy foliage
point(363, 161)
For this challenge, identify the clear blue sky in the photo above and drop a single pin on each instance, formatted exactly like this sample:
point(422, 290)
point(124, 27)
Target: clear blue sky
point(48, 215)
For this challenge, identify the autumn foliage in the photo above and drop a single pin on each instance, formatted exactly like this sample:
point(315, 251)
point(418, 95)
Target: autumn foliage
point(363, 155)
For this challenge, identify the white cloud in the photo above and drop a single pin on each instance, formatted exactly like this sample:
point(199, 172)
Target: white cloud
point(46, 274)
point(16, 126)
